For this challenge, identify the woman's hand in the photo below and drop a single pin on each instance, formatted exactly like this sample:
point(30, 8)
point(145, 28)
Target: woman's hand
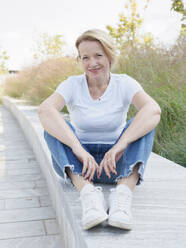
point(88, 161)
point(109, 161)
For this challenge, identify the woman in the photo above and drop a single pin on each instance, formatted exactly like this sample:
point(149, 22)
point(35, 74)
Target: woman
point(98, 145)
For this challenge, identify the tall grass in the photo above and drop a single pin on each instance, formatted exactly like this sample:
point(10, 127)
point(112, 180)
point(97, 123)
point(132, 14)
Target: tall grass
point(160, 71)
point(162, 74)
point(38, 82)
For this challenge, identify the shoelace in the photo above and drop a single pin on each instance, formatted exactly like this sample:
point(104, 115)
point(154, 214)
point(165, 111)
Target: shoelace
point(121, 202)
point(90, 201)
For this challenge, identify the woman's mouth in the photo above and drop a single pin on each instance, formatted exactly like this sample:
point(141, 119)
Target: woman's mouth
point(94, 70)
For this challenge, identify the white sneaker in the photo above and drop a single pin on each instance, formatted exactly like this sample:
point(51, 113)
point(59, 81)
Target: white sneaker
point(120, 201)
point(93, 205)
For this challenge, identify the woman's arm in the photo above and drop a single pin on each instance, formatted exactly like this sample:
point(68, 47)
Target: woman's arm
point(146, 119)
point(54, 124)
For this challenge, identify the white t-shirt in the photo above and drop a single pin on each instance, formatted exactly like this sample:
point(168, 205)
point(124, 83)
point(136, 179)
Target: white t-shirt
point(101, 120)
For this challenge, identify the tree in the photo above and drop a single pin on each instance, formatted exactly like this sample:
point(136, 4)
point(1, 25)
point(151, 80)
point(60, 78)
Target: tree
point(178, 6)
point(128, 26)
point(147, 39)
point(49, 46)
point(3, 58)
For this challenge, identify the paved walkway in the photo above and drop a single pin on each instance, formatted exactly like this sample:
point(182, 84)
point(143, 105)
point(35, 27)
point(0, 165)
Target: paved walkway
point(27, 218)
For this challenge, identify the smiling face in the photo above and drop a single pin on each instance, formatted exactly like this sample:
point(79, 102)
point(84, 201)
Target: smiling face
point(94, 60)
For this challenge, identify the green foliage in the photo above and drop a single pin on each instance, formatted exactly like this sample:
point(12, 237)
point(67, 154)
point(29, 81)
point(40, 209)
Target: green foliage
point(178, 6)
point(171, 140)
point(49, 46)
point(127, 29)
point(162, 74)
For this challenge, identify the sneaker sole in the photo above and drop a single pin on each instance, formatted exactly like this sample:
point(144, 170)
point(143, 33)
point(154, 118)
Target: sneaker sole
point(120, 225)
point(95, 222)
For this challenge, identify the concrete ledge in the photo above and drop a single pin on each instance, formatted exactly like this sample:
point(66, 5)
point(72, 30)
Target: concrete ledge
point(27, 118)
point(158, 204)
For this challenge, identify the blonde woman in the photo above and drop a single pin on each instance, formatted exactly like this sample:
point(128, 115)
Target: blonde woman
point(99, 145)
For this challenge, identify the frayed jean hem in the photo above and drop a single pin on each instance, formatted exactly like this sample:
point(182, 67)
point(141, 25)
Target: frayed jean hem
point(67, 180)
point(131, 168)
point(63, 158)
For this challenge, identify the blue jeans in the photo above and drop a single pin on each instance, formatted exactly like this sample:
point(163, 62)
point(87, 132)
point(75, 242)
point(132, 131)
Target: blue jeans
point(136, 152)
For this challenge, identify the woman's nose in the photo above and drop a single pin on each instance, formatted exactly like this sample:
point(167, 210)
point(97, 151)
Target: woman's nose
point(92, 62)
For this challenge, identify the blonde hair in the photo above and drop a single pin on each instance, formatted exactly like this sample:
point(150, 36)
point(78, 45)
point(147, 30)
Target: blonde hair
point(102, 37)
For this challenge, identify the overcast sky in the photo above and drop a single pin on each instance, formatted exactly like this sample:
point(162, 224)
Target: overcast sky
point(21, 21)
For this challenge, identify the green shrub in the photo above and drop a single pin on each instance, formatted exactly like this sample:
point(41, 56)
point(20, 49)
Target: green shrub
point(162, 75)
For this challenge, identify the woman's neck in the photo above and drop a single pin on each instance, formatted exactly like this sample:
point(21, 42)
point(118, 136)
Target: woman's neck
point(98, 82)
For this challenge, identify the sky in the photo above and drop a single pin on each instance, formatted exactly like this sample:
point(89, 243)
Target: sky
point(22, 21)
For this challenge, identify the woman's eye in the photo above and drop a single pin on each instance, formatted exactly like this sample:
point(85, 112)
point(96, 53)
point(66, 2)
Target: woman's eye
point(99, 55)
point(84, 58)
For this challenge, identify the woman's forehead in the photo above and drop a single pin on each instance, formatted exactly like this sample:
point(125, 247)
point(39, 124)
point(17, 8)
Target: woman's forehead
point(88, 47)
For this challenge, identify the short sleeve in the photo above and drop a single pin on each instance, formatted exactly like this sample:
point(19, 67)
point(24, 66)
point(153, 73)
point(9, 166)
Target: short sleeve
point(130, 87)
point(65, 90)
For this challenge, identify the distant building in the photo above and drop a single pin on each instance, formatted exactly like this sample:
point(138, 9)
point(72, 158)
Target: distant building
point(13, 71)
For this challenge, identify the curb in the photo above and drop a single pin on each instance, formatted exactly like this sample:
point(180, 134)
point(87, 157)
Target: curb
point(25, 114)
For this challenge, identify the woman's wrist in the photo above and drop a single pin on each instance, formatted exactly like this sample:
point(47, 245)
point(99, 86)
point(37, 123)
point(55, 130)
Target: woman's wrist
point(121, 145)
point(76, 145)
